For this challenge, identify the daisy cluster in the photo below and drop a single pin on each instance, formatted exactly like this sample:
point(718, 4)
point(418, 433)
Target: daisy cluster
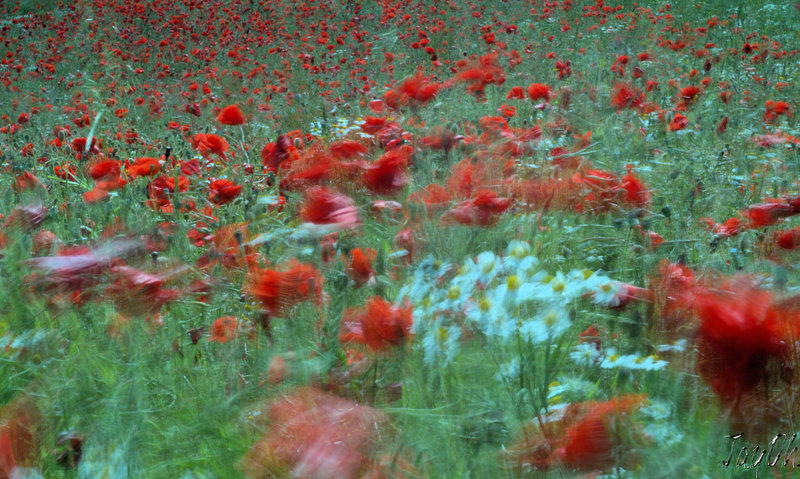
point(503, 297)
point(343, 127)
point(588, 354)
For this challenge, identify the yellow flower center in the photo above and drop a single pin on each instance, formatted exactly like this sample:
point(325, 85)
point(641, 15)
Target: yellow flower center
point(485, 305)
point(454, 292)
point(513, 282)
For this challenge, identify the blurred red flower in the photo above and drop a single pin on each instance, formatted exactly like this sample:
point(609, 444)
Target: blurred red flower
point(224, 329)
point(314, 435)
point(326, 207)
point(359, 268)
point(378, 324)
point(231, 115)
point(280, 290)
point(223, 191)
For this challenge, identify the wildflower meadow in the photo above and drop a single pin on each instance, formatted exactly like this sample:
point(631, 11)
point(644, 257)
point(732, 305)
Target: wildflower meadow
point(399, 239)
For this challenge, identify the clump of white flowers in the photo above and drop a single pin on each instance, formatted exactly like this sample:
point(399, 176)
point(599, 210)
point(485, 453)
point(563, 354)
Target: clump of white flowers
point(340, 129)
point(504, 297)
point(588, 354)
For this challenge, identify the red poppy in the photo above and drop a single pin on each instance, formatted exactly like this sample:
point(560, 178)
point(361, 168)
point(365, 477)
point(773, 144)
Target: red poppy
point(209, 143)
point(788, 239)
point(517, 93)
point(231, 115)
point(378, 325)
point(26, 217)
point(741, 332)
point(689, 93)
point(326, 207)
point(589, 444)
point(373, 124)
point(313, 435)
point(223, 191)
point(774, 109)
point(433, 197)
point(539, 91)
point(731, 227)
point(360, 266)
point(417, 90)
point(679, 122)
point(348, 149)
point(79, 145)
point(19, 433)
point(624, 96)
point(482, 210)
point(766, 214)
point(224, 329)
point(635, 192)
point(722, 127)
point(387, 175)
point(587, 436)
point(279, 290)
point(143, 167)
point(136, 293)
point(279, 154)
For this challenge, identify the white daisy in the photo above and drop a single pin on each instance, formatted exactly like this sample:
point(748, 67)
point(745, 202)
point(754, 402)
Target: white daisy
point(441, 343)
point(585, 354)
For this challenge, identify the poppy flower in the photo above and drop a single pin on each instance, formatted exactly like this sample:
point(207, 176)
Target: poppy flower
point(517, 93)
point(387, 175)
point(19, 433)
point(378, 325)
point(689, 93)
point(223, 191)
point(775, 109)
point(482, 210)
point(279, 290)
point(635, 192)
point(279, 154)
point(624, 96)
point(26, 217)
point(208, 144)
point(731, 227)
point(539, 91)
point(326, 207)
point(587, 436)
point(137, 293)
point(348, 149)
point(144, 167)
point(589, 444)
point(79, 145)
point(231, 115)
point(373, 124)
point(766, 214)
point(433, 197)
point(314, 435)
point(722, 127)
point(417, 90)
point(679, 122)
point(788, 239)
point(224, 329)
point(741, 331)
point(359, 269)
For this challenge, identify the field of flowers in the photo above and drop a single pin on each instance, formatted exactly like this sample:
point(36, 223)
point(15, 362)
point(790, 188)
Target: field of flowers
point(399, 239)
